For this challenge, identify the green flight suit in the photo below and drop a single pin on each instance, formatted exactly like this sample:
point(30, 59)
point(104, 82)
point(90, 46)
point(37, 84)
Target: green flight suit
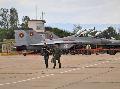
point(46, 55)
point(56, 56)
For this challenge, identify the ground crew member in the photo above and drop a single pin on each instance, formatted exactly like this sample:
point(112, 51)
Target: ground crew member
point(56, 55)
point(46, 54)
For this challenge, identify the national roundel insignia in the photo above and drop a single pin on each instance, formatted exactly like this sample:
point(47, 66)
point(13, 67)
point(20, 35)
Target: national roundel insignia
point(31, 33)
point(21, 35)
point(51, 36)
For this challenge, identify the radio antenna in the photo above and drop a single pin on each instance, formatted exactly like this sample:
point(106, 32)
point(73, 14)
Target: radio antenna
point(43, 15)
point(36, 11)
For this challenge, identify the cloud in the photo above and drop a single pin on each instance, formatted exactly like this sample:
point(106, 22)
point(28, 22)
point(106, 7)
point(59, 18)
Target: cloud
point(68, 11)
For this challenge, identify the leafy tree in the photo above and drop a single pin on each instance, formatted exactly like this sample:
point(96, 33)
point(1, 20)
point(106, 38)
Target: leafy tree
point(109, 33)
point(10, 34)
point(2, 34)
point(76, 28)
point(58, 32)
point(25, 20)
point(9, 18)
point(6, 34)
point(13, 18)
point(4, 22)
point(93, 33)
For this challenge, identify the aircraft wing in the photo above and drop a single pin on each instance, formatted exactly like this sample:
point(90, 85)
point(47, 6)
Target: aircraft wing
point(53, 42)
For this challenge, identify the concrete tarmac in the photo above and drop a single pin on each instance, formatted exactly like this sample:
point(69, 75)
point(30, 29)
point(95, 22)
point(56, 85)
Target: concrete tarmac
point(77, 72)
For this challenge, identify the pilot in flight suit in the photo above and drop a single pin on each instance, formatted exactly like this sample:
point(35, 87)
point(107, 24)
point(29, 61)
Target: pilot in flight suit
point(56, 55)
point(46, 54)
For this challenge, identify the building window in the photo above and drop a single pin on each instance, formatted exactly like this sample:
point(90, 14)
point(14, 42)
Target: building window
point(39, 26)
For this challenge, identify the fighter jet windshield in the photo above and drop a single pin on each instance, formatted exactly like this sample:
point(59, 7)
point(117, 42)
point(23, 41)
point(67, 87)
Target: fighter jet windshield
point(97, 37)
point(81, 35)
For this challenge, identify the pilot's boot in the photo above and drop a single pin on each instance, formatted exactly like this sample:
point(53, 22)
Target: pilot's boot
point(54, 65)
point(59, 65)
point(46, 65)
point(54, 61)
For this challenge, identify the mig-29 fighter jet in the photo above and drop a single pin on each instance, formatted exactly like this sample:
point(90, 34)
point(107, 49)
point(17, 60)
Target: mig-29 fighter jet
point(32, 40)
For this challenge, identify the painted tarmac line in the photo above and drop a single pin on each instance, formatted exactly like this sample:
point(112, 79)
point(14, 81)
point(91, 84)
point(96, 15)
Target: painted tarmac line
point(66, 71)
point(95, 64)
point(30, 79)
point(1, 84)
point(61, 72)
point(7, 83)
point(23, 80)
point(52, 74)
point(19, 81)
point(47, 75)
point(69, 70)
point(38, 77)
point(91, 65)
point(14, 82)
point(73, 69)
point(42, 76)
point(33, 78)
point(86, 66)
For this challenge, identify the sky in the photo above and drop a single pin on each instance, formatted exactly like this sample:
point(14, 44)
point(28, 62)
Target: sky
point(65, 13)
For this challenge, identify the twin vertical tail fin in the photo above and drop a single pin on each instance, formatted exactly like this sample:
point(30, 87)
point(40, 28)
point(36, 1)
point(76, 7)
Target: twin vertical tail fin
point(30, 39)
point(27, 37)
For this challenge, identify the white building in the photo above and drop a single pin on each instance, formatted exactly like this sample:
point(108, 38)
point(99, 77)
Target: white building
point(37, 25)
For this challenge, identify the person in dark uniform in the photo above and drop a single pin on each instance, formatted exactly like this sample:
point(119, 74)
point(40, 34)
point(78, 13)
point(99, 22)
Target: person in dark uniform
point(56, 55)
point(46, 54)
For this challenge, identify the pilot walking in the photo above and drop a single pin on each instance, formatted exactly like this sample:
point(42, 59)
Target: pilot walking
point(46, 54)
point(56, 55)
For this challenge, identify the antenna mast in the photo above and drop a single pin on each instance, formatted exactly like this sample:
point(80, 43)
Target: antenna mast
point(43, 15)
point(36, 11)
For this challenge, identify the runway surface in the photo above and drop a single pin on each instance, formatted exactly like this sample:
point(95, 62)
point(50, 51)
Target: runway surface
point(77, 72)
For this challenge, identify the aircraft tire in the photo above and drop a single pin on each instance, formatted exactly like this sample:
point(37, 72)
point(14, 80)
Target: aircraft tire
point(24, 54)
point(112, 52)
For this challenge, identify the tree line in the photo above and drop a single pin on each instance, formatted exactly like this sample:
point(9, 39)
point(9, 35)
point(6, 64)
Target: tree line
point(9, 21)
point(109, 33)
point(59, 32)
